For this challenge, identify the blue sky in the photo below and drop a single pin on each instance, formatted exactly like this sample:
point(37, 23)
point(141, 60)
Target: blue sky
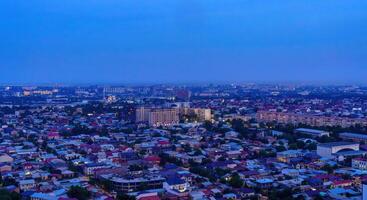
point(183, 41)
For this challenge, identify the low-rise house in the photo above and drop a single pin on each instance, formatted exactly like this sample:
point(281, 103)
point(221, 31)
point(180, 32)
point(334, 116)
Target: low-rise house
point(359, 163)
point(230, 196)
point(342, 183)
point(89, 169)
point(5, 158)
point(5, 167)
point(246, 193)
point(26, 185)
point(286, 156)
point(53, 136)
point(176, 186)
point(54, 195)
point(152, 160)
point(264, 183)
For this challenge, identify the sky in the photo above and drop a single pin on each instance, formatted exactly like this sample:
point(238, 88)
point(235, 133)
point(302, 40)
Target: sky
point(183, 41)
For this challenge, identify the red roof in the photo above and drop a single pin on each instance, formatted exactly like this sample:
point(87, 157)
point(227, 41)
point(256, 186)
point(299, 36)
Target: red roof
point(48, 160)
point(123, 148)
point(342, 182)
point(109, 153)
point(325, 176)
point(360, 159)
point(53, 129)
point(207, 192)
point(153, 159)
point(53, 134)
point(163, 142)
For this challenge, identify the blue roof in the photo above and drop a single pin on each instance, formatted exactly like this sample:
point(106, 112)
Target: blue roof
point(28, 193)
point(354, 135)
point(264, 181)
point(314, 181)
point(310, 130)
point(175, 181)
point(170, 166)
point(11, 187)
point(94, 164)
point(350, 153)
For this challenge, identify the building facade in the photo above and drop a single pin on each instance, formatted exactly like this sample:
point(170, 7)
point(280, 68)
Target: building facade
point(312, 120)
point(359, 163)
point(327, 150)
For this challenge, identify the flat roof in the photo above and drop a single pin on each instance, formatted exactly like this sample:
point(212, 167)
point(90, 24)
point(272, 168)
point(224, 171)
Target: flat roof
point(334, 144)
point(353, 135)
point(27, 181)
point(264, 181)
point(350, 153)
point(289, 152)
point(310, 130)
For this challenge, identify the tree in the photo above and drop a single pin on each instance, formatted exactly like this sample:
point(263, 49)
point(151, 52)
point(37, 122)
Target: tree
point(221, 172)
point(328, 168)
point(325, 139)
point(293, 146)
point(204, 172)
point(143, 186)
point(347, 176)
point(300, 144)
point(280, 148)
point(281, 194)
point(123, 196)
point(136, 167)
point(79, 193)
point(239, 126)
point(6, 195)
point(318, 197)
point(187, 148)
point(7, 181)
point(312, 146)
point(208, 125)
point(236, 181)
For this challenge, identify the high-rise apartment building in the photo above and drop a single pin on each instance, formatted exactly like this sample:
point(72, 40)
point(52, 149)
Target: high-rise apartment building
point(158, 116)
point(142, 114)
point(163, 117)
point(312, 120)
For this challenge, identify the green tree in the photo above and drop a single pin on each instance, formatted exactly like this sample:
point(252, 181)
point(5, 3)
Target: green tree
point(280, 148)
point(123, 196)
point(328, 168)
point(236, 181)
point(79, 193)
point(7, 181)
point(293, 146)
point(6, 195)
point(281, 194)
point(208, 125)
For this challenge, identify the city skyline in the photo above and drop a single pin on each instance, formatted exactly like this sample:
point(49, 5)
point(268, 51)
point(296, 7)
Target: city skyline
point(183, 100)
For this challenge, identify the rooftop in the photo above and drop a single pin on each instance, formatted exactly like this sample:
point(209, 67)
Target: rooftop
point(310, 130)
point(354, 135)
point(335, 144)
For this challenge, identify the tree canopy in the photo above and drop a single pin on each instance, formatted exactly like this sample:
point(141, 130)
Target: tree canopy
point(79, 193)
